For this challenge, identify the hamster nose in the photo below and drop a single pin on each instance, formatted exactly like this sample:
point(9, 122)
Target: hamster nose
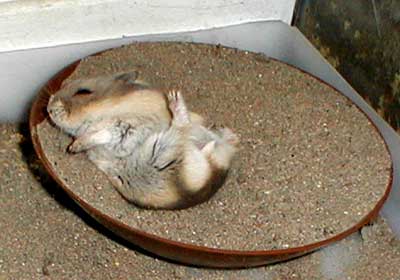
point(53, 104)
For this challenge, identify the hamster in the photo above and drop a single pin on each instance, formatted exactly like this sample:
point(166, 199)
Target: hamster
point(155, 152)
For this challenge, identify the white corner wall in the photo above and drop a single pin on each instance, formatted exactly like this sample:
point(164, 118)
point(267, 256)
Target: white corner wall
point(27, 24)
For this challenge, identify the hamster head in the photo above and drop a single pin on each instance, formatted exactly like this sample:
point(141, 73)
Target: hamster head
point(81, 102)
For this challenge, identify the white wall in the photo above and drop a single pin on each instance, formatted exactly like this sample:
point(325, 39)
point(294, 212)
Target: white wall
point(26, 24)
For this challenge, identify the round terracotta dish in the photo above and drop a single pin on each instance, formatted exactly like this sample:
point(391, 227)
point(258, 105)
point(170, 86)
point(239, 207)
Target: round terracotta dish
point(182, 251)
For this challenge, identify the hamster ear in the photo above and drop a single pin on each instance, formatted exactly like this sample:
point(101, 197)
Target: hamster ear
point(128, 77)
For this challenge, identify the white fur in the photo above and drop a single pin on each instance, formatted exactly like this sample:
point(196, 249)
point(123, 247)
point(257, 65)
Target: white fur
point(196, 169)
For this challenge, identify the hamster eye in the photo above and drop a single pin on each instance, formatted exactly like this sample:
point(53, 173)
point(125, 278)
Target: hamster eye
point(83, 91)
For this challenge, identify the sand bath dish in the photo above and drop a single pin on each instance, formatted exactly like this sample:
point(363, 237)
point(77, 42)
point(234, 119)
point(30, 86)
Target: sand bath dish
point(310, 165)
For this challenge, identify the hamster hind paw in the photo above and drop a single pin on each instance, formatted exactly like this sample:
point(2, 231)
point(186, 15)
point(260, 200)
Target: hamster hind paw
point(229, 136)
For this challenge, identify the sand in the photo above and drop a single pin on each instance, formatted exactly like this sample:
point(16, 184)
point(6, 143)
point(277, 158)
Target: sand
point(311, 165)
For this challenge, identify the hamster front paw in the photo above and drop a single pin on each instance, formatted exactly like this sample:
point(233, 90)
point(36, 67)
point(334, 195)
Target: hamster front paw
point(178, 108)
point(75, 147)
point(89, 140)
